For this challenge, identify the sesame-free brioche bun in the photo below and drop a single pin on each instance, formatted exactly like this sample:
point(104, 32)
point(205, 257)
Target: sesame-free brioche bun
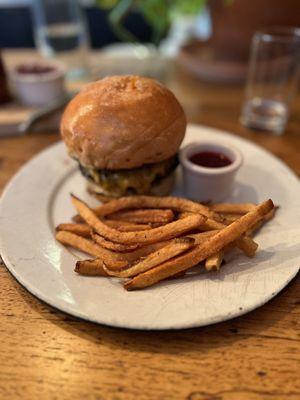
point(123, 122)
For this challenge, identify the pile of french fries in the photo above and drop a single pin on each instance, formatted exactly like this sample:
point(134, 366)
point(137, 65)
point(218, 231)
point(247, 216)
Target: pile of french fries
point(145, 240)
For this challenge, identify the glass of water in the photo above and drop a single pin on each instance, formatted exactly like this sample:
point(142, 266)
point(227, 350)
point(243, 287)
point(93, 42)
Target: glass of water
point(272, 79)
point(60, 32)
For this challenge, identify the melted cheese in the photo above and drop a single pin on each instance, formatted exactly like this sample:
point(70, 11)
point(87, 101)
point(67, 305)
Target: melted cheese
point(137, 180)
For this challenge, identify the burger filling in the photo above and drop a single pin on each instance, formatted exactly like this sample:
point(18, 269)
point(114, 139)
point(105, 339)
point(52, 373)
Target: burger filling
point(130, 181)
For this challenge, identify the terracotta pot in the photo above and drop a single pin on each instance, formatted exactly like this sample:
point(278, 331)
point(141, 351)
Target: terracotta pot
point(233, 25)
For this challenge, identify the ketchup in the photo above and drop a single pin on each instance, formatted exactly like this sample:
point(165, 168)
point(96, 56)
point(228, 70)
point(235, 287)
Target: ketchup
point(210, 159)
point(34, 69)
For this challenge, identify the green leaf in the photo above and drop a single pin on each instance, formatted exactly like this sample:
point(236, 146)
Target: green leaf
point(158, 13)
point(116, 17)
point(107, 3)
point(189, 7)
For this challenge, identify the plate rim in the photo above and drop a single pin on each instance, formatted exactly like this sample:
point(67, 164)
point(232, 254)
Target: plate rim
point(218, 319)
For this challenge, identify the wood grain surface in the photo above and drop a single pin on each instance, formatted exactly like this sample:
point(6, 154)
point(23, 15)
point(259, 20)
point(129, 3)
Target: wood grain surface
point(45, 354)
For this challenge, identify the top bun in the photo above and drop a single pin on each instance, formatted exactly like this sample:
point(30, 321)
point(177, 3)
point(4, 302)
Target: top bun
point(123, 122)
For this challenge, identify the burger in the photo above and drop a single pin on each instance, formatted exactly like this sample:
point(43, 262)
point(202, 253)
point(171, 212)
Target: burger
point(124, 132)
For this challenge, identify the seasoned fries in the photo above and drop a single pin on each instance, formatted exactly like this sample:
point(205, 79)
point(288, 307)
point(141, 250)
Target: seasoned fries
point(225, 208)
point(90, 268)
point(144, 216)
point(247, 245)
point(229, 218)
point(136, 255)
point(202, 251)
point(79, 229)
point(138, 202)
point(112, 245)
point(201, 237)
point(89, 247)
point(165, 232)
point(174, 248)
point(149, 239)
point(124, 226)
point(213, 263)
point(79, 243)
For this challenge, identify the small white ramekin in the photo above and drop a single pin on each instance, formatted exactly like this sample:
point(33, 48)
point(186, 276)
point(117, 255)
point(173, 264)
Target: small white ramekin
point(209, 184)
point(34, 89)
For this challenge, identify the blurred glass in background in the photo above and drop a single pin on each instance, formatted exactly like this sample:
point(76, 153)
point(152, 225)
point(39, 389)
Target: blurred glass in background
point(273, 77)
point(60, 31)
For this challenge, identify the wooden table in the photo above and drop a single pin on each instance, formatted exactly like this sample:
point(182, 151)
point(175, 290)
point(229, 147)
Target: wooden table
point(45, 354)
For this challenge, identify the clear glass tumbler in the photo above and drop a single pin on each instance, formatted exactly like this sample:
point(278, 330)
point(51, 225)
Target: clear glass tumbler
point(272, 79)
point(60, 32)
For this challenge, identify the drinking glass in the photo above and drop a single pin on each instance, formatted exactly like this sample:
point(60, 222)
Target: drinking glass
point(60, 32)
point(272, 79)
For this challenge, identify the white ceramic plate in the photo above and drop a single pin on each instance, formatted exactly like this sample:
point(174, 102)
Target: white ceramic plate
point(37, 199)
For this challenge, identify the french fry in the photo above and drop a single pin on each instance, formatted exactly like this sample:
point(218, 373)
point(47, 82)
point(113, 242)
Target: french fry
point(226, 208)
point(79, 229)
point(90, 267)
point(202, 236)
point(271, 214)
point(260, 223)
point(173, 203)
point(133, 256)
point(175, 247)
point(114, 260)
point(202, 251)
point(127, 244)
point(164, 232)
point(184, 214)
point(255, 227)
point(107, 244)
point(213, 263)
point(148, 216)
point(138, 226)
point(229, 218)
point(124, 226)
point(247, 245)
point(244, 243)
point(210, 224)
point(78, 242)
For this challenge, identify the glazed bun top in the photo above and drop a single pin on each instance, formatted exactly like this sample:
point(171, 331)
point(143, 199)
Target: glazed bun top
point(123, 122)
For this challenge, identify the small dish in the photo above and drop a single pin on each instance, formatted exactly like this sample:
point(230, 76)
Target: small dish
point(37, 83)
point(204, 183)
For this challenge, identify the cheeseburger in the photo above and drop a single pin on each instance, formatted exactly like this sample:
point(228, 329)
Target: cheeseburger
point(125, 132)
